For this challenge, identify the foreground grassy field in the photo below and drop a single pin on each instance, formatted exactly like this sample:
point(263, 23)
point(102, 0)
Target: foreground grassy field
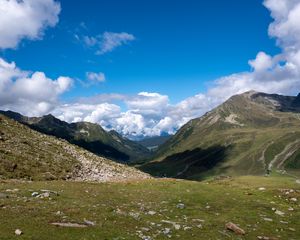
point(152, 209)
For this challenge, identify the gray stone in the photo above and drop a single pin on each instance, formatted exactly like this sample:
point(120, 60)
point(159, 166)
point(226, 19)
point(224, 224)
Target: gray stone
point(18, 232)
point(34, 194)
point(280, 213)
point(236, 229)
point(89, 223)
point(180, 206)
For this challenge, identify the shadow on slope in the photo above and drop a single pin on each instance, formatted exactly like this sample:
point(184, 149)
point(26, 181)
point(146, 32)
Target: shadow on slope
point(96, 147)
point(106, 150)
point(190, 164)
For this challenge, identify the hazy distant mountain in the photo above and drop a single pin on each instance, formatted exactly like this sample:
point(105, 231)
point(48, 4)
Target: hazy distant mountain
point(87, 135)
point(251, 133)
point(152, 143)
point(28, 154)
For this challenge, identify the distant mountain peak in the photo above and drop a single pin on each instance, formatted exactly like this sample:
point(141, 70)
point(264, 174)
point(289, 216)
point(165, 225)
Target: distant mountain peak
point(249, 93)
point(49, 116)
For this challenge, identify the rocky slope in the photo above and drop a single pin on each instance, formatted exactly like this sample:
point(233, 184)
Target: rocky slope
point(251, 133)
point(87, 135)
point(27, 154)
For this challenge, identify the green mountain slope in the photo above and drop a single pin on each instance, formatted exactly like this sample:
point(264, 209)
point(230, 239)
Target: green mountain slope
point(87, 135)
point(28, 154)
point(251, 133)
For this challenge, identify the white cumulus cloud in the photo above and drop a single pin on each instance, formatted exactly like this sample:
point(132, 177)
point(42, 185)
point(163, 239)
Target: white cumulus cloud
point(33, 94)
point(262, 62)
point(26, 19)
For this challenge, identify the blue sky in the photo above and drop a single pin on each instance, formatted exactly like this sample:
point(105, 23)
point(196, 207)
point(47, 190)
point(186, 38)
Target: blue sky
point(179, 45)
point(143, 68)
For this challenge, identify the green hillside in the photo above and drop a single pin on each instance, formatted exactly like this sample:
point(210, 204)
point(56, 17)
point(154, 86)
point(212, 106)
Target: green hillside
point(251, 133)
point(28, 154)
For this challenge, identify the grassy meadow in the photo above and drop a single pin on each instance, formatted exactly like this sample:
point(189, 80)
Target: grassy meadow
point(152, 209)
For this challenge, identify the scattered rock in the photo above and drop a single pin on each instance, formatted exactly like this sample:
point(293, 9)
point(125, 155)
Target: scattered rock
point(44, 195)
point(89, 223)
point(233, 227)
point(268, 219)
point(151, 213)
point(34, 194)
point(266, 238)
point(180, 206)
point(292, 229)
point(261, 189)
point(18, 232)
point(66, 224)
point(280, 213)
point(50, 192)
point(166, 231)
point(187, 228)
point(12, 190)
point(293, 199)
point(135, 215)
point(146, 238)
point(177, 226)
point(58, 213)
point(284, 222)
point(198, 220)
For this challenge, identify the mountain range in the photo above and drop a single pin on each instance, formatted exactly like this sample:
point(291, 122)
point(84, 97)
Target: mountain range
point(250, 134)
point(90, 136)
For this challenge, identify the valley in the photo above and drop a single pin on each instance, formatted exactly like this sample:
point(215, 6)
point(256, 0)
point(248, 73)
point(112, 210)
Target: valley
point(149, 120)
point(230, 174)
